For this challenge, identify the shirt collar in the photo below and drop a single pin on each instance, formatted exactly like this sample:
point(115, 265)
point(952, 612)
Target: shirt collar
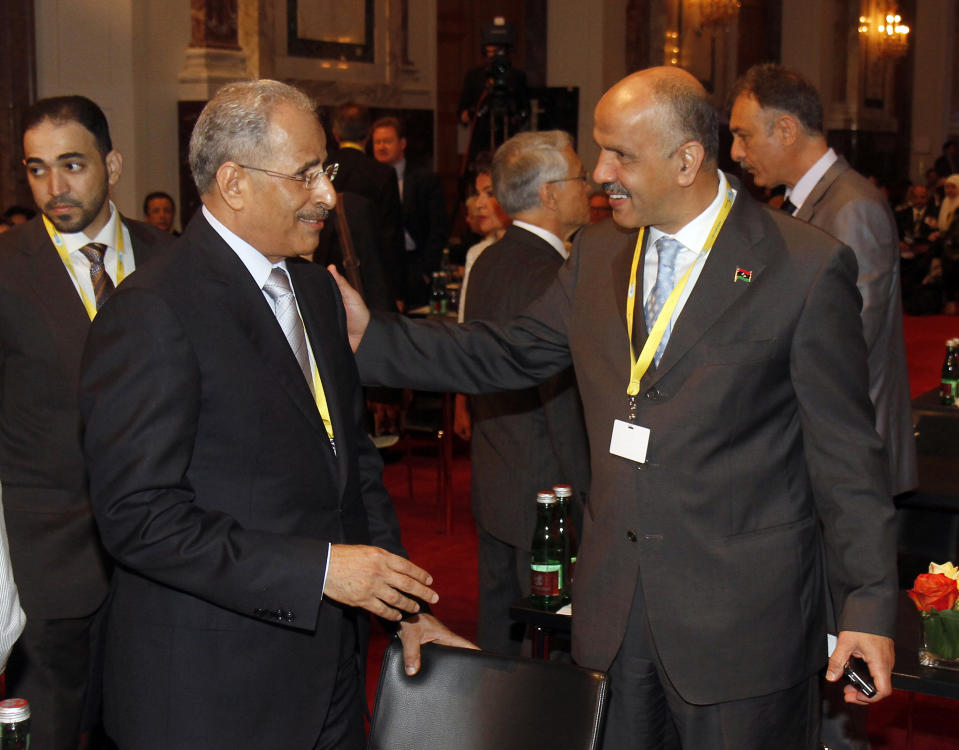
point(400, 168)
point(805, 184)
point(255, 262)
point(552, 239)
point(107, 234)
point(694, 234)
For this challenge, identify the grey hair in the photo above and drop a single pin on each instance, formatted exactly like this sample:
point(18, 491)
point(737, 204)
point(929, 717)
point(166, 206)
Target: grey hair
point(526, 161)
point(234, 125)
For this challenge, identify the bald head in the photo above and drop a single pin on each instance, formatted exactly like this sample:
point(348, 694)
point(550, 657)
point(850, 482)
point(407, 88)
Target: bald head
point(659, 140)
point(674, 100)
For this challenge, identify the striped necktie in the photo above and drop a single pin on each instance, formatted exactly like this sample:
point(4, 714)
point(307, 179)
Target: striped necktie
point(102, 283)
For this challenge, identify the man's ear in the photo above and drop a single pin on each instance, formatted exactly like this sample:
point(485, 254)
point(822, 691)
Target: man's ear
point(114, 164)
point(231, 183)
point(787, 129)
point(691, 157)
point(547, 197)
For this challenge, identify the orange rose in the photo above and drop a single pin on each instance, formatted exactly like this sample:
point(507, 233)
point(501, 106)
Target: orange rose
point(934, 591)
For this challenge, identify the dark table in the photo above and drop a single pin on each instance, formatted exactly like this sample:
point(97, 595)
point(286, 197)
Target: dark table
point(928, 518)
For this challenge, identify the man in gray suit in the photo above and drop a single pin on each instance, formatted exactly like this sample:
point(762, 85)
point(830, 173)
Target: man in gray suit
point(777, 127)
point(776, 122)
point(735, 462)
point(532, 438)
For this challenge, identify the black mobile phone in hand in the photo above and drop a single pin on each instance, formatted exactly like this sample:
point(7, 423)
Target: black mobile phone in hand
point(857, 673)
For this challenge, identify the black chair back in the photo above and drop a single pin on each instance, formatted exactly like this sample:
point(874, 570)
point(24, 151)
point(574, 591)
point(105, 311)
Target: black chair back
point(478, 700)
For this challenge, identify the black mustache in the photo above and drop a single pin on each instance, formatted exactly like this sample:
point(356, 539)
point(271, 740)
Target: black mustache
point(62, 203)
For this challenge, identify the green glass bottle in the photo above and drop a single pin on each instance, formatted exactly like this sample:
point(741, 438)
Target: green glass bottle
point(14, 724)
point(949, 386)
point(567, 532)
point(546, 555)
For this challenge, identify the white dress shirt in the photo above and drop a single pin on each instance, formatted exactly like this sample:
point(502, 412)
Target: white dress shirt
point(798, 193)
point(107, 236)
point(693, 236)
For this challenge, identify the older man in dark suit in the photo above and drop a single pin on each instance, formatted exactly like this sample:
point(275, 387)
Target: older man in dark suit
point(719, 355)
point(56, 270)
point(230, 473)
point(530, 439)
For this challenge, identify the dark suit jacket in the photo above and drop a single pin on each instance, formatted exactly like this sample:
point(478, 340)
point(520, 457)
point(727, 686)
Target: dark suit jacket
point(849, 207)
point(377, 183)
point(359, 218)
point(426, 220)
point(527, 440)
point(762, 452)
point(918, 228)
point(217, 491)
point(58, 562)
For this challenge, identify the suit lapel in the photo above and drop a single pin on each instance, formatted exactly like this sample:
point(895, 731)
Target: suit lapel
point(51, 283)
point(738, 246)
point(808, 208)
point(325, 354)
point(622, 264)
point(226, 278)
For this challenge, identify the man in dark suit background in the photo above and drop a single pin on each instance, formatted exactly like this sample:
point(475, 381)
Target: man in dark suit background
point(916, 218)
point(230, 472)
point(49, 291)
point(734, 457)
point(776, 122)
point(527, 440)
point(377, 183)
point(426, 226)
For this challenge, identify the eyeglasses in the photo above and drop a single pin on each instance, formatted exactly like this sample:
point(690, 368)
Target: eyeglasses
point(582, 177)
point(308, 180)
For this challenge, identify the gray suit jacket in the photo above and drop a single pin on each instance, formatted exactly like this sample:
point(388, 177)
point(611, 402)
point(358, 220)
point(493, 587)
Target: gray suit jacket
point(763, 468)
point(530, 439)
point(849, 207)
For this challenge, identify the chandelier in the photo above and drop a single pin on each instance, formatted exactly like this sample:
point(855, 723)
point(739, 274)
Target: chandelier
point(718, 12)
point(889, 33)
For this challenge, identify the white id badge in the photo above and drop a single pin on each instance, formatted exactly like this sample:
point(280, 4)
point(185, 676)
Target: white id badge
point(629, 441)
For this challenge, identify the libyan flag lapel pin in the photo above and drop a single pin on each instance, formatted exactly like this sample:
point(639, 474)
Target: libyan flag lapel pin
point(743, 275)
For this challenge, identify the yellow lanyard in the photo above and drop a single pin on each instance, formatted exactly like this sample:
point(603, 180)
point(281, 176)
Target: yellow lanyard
point(639, 366)
point(319, 395)
point(61, 247)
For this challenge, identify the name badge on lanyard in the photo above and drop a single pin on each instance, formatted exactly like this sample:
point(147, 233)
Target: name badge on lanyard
point(630, 440)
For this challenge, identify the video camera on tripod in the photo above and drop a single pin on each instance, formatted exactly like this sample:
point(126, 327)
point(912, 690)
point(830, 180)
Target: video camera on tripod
point(495, 101)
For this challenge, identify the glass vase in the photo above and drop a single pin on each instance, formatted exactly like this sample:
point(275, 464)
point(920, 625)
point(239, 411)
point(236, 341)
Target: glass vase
point(940, 639)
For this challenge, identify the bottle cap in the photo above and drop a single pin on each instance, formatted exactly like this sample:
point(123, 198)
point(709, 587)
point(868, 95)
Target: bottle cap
point(563, 490)
point(546, 497)
point(13, 710)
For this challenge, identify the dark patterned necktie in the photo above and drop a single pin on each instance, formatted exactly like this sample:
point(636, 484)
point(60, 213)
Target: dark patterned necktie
point(102, 283)
point(788, 207)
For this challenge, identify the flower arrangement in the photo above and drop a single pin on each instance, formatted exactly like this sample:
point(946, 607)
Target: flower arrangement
point(936, 596)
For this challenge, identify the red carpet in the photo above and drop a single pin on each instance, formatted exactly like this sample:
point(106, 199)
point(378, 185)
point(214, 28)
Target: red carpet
point(926, 348)
point(452, 559)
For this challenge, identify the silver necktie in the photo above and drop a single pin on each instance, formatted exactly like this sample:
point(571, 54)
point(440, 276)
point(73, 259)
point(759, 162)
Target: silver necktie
point(667, 248)
point(284, 307)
